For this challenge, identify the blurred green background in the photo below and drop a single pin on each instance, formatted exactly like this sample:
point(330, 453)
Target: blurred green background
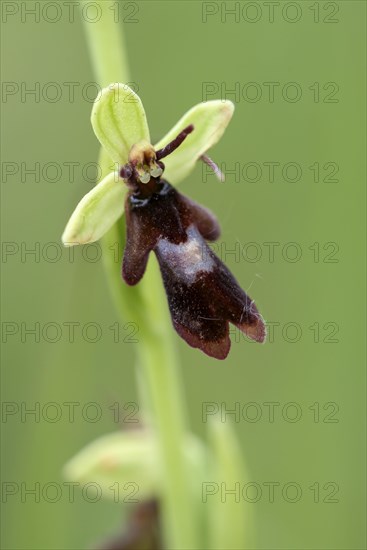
point(175, 50)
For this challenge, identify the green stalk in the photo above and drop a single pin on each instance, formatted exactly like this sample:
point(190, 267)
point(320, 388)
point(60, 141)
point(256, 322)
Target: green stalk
point(106, 45)
point(146, 305)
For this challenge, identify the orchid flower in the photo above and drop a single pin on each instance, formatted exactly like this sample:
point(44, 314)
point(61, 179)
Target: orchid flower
point(203, 296)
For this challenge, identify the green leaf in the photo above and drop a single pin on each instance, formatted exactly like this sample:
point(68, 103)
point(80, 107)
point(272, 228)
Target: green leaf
point(210, 120)
point(96, 212)
point(230, 521)
point(119, 121)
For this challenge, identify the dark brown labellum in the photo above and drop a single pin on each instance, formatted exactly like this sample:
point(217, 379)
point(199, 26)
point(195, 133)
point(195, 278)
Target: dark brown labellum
point(203, 295)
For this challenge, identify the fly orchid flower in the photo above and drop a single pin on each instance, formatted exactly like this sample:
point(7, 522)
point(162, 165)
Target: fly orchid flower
point(203, 296)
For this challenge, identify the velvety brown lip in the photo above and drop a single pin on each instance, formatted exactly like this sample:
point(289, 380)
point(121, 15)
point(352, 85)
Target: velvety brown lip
point(203, 296)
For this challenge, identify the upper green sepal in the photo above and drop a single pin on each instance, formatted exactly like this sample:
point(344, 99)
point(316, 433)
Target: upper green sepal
point(119, 121)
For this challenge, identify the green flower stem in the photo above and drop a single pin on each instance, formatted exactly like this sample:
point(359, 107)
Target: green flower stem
point(106, 46)
point(146, 305)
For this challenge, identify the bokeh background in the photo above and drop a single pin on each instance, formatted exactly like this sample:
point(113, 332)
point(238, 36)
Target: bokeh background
point(312, 370)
